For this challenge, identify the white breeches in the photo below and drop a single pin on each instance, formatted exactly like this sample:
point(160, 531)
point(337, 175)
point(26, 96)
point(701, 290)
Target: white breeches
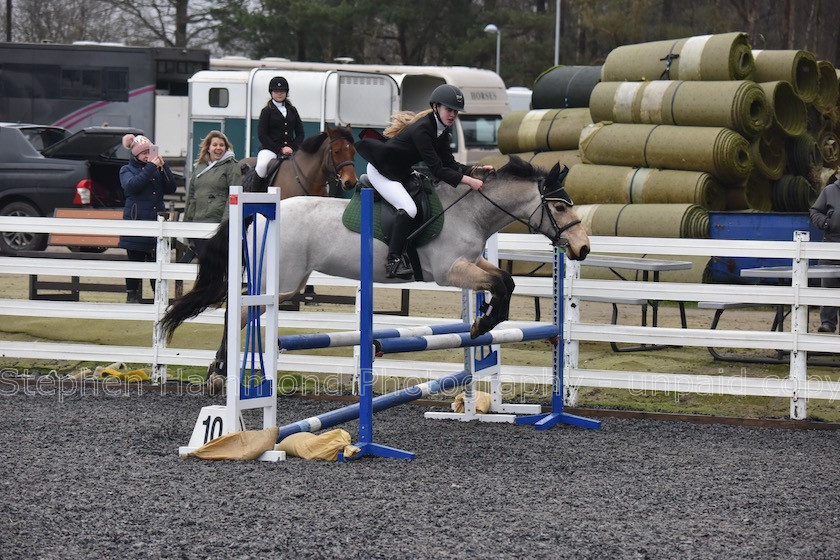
point(392, 191)
point(263, 159)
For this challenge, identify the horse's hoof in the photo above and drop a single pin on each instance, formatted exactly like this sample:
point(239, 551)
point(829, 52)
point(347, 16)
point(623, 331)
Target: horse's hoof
point(216, 383)
point(476, 329)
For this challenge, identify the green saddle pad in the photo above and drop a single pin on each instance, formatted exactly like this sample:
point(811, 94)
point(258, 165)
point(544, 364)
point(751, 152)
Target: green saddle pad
point(352, 218)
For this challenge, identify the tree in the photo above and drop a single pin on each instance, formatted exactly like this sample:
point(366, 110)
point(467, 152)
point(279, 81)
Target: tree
point(64, 21)
point(169, 23)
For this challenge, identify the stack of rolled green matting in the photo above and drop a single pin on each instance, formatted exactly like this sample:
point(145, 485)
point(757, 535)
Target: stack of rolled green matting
point(716, 150)
point(828, 86)
point(562, 87)
point(793, 193)
point(610, 184)
point(542, 130)
point(829, 144)
point(645, 220)
point(739, 105)
point(758, 194)
point(789, 112)
point(799, 68)
point(722, 57)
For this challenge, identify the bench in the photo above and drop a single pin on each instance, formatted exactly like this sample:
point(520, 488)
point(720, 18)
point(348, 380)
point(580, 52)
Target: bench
point(615, 302)
point(720, 307)
point(81, 246)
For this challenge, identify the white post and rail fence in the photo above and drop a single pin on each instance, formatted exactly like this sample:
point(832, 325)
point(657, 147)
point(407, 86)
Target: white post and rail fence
point(796, 343)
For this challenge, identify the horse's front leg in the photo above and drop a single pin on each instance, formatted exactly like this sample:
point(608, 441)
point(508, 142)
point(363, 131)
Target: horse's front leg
point(483, 276)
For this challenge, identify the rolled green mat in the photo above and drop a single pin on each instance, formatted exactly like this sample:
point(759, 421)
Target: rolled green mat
point(828, 86)
point(562, 87)
point(736, 199)
point(758, 193)
point(611, 184)
point(829, 144)
point(546, 160)
point(645, 220)
point(799, 68)
point(739, 105)
point(793, 193)
point(716, 150)
point(768, 154)
point(726, 56)
point(541, 130)
point(803, 155)
point(789, 112)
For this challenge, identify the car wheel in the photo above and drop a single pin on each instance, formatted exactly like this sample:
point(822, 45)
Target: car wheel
point(13, 241)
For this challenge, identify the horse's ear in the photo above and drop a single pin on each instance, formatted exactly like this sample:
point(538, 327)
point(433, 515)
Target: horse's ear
point(561, 177)
point(553, 175)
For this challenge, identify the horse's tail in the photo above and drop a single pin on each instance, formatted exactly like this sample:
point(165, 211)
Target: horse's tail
point(210, 288)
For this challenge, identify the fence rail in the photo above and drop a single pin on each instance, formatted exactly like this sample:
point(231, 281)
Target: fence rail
point(797, 387)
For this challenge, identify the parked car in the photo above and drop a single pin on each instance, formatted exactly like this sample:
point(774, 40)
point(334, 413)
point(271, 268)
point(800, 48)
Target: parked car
point(46, 167)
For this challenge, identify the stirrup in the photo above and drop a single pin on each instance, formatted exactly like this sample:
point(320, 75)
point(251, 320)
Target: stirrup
point(398, 267)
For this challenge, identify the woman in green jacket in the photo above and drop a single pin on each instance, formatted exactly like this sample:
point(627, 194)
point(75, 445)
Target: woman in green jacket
point(215, 171)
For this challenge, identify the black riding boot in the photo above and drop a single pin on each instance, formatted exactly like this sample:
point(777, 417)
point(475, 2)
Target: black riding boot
point(397, 265)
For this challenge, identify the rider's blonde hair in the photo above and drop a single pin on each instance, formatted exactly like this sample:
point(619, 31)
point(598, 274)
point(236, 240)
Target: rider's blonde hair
point(401, 120)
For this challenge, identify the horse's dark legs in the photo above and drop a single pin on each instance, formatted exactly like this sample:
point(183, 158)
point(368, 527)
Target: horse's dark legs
point(498, 309)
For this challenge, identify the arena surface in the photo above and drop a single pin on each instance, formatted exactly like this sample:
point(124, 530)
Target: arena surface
point(98, 476)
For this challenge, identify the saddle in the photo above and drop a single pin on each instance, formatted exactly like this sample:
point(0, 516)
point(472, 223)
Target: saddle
point(419, 187)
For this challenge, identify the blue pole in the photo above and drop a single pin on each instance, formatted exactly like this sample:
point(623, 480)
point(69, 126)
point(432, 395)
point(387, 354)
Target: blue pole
point(557, 416)
point(382, 402)
point(366, 445)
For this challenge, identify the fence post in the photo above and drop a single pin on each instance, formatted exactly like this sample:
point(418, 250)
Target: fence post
point(798, 324)
point(162, 257)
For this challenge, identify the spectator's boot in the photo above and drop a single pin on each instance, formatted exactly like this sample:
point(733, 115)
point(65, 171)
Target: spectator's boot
point(397, 265)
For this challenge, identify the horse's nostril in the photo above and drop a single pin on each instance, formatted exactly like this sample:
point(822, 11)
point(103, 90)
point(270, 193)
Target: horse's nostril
point(584, 251)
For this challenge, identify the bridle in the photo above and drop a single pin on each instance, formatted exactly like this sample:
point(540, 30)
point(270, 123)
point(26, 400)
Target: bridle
point(555, 193)
point(333, 177)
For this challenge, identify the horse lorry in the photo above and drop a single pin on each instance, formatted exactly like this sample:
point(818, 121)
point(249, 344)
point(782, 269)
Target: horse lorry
point(230, 96)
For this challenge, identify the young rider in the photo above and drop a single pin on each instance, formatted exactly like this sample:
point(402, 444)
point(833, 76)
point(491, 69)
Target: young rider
point(424, 138)
point(280, 129)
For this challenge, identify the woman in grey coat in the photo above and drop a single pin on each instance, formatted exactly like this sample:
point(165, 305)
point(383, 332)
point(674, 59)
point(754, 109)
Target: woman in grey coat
point(825, 216)
point(215, 171)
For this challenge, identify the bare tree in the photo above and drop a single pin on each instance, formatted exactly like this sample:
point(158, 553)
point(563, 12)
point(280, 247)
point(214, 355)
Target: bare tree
point(65, 21)
point(170, 23)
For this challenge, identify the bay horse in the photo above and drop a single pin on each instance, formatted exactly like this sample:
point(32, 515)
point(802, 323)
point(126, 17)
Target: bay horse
point(324, 158)
point(314, 239)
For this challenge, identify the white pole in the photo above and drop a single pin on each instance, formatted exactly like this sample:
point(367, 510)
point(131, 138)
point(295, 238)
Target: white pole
point(499, 52)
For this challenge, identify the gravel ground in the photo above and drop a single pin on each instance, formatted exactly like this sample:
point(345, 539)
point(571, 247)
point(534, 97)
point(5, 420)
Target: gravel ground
point(97, 475)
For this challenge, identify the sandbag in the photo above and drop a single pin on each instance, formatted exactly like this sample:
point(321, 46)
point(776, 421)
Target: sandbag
point(562, 87)
point(799, 68)
point(325, 446)
point(723, 153)
point(739, 105)
point(482, 402)
point(688, 221)
point(546, 129)
point(609, 184)
point(789, 113)
point(726, 56)
point(240, 446)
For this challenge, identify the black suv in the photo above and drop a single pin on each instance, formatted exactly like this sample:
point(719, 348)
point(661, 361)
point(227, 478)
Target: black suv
point(46, 167)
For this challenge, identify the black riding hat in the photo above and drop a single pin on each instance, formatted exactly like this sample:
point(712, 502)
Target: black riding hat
point(448, 96)
point(278, 83)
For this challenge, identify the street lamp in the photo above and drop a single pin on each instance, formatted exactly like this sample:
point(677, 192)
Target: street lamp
point(491, 28)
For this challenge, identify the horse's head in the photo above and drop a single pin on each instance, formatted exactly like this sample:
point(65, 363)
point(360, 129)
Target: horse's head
point(343, 155)
point(555, 216)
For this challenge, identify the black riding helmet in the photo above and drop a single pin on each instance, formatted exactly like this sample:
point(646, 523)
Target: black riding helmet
point(278, 83)
point(448, 96)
